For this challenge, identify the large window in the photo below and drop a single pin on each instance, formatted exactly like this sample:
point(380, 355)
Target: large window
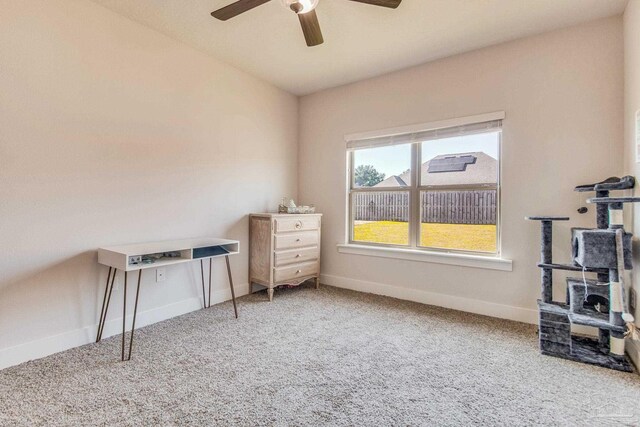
point(433, 189)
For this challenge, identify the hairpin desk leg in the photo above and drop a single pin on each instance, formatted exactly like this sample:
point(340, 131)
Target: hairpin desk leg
point(135, 312)
point(104, 303)
point(106, 309)
point(233, 293)
point(210, 269)
point(124, 312)
point(204, 297)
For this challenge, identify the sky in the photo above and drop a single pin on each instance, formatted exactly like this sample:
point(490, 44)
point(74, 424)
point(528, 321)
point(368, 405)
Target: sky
point(396, 159)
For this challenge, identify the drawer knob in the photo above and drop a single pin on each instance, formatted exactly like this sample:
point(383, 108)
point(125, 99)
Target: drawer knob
point(298, 271)
point(298, 224)
point(297, 240)
point(297, 255)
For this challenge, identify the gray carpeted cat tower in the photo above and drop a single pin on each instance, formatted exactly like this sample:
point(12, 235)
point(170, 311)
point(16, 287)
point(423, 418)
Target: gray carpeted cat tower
point(604, 251)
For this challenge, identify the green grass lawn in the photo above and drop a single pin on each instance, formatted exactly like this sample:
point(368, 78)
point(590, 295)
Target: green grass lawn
point(468, 237)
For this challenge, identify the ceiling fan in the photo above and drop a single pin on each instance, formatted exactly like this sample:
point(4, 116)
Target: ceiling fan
point(305, 9)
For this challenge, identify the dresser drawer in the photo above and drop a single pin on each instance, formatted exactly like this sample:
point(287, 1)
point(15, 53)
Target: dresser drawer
point(296, 255)
point(296, 240)
point(297, 223)
point(295, 271)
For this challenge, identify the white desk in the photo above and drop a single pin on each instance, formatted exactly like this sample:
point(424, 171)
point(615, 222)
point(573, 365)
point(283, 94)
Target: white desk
point(142, 256)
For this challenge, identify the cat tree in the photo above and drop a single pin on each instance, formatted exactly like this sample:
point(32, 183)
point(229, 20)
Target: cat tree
point(599, 303)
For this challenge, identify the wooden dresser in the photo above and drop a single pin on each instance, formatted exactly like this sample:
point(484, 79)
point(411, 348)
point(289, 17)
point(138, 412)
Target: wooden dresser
point(284, 249)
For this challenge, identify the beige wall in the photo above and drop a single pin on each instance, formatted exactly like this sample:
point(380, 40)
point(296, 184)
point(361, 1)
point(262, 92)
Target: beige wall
point(562, 93)
point(112, 133)
point(632, 104)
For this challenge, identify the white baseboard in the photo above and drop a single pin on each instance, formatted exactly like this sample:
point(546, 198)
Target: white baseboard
point(56, 343)
point(486, 308)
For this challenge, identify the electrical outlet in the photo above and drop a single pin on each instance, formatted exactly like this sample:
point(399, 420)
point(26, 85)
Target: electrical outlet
point(633, 299)
point(160, 275)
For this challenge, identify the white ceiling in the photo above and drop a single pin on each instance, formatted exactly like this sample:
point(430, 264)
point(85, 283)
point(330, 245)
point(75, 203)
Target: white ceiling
point(361, 41)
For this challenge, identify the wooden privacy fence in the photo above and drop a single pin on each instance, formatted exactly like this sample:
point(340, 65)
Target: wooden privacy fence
point(445, 207)
point(381, 206)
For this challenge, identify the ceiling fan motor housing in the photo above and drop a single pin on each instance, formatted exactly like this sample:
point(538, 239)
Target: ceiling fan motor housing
point(301, 6)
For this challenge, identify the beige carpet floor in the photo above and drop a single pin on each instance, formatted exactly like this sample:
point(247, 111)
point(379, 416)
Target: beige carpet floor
point(319, 357)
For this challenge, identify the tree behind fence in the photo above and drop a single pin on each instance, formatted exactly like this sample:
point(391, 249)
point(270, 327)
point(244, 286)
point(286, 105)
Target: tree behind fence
point(446, 207)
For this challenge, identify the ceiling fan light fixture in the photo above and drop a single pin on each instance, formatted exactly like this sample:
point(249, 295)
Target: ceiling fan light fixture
point(300, 6)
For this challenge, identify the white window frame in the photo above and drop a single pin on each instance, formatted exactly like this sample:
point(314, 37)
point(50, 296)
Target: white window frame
point(404, 135)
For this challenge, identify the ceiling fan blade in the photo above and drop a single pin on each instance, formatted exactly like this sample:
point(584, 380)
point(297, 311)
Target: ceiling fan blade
point(384, 3)
point(235, 9)
point(311, 28)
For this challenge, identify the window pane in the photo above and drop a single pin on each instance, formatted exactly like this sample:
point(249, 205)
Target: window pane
point(464, 218)
point(380, 217)
point(464, 160)
point(382, 167)
point(460, 220)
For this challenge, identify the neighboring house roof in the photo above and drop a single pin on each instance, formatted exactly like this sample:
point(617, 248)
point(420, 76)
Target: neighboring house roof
point(392, 181)
point(474, 168)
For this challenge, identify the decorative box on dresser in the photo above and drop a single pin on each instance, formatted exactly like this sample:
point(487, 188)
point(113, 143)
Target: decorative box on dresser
point(284, 249)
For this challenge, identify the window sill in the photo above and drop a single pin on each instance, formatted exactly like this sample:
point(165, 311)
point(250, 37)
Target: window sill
point(474, 261)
